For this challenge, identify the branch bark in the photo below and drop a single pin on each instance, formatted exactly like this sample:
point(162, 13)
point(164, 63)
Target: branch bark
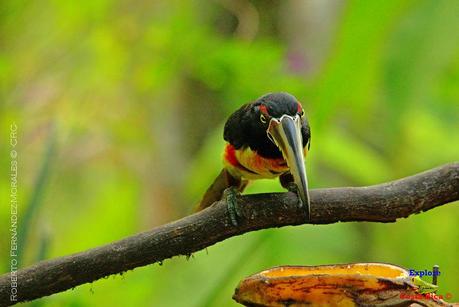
point(379, 203)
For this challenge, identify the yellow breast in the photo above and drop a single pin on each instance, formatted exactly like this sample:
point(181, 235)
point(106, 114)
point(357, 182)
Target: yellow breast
point(247, 164)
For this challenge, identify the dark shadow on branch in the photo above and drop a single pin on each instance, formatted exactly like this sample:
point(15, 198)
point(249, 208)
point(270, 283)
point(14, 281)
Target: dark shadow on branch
point(379, 203)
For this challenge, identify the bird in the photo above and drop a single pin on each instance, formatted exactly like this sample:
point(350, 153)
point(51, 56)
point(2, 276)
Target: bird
point(266, 138)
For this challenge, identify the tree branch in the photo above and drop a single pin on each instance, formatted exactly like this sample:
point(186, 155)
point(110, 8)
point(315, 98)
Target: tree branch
point(378, 203)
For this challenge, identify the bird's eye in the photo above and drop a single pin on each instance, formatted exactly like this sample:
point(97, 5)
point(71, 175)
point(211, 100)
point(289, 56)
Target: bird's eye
point(301, 113)
point(263, 118)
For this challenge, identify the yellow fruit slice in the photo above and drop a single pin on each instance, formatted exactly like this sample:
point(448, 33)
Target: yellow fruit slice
point(357, 284)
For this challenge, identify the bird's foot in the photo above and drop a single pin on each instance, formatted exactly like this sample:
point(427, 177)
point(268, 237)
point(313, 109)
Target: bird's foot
point(230, 194)
point(292, 187)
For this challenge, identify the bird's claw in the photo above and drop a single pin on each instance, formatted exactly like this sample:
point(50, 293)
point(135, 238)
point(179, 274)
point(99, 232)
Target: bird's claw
point(230, 195)
point(292, 187)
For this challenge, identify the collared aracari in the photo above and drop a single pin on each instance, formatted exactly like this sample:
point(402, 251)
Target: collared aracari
point(267, 138)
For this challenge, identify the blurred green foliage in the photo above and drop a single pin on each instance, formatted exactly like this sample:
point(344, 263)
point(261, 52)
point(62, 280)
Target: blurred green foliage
point(137, 93)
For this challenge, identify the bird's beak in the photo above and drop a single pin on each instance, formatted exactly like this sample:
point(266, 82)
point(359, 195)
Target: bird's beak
point(285, 132)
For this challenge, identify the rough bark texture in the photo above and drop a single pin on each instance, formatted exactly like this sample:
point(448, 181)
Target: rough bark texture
point(379, 203)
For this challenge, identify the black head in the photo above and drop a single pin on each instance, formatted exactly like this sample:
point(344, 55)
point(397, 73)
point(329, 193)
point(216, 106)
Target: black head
point(278, 104)
point(248, 126)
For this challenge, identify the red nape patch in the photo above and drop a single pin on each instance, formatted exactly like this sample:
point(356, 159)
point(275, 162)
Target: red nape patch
point(263, 109)
point(300, 108)
point(230, 155)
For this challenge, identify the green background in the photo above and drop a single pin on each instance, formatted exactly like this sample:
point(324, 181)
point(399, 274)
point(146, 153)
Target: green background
point(120, 108)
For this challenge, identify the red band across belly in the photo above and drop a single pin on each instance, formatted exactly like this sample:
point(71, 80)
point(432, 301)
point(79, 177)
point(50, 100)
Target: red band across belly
point(259, 165)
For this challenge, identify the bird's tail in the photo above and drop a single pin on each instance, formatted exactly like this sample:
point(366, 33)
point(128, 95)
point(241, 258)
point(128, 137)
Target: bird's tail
point(215, 192)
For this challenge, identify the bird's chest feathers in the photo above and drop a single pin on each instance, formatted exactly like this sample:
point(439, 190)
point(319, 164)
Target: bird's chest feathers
point(246, 163)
